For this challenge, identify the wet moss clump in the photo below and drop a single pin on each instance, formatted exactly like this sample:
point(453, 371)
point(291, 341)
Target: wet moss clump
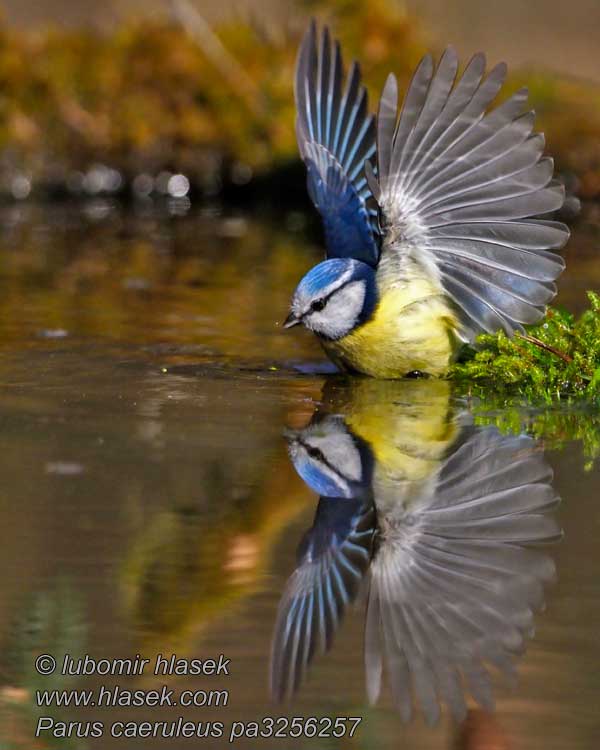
point(559, 359)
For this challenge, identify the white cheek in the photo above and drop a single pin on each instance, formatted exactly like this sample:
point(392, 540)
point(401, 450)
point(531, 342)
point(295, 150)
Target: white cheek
point(324, 472)
point(341, 453)
point(341, 312)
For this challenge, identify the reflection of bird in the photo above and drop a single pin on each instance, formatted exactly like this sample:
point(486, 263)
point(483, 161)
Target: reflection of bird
point(334, 557)
point(435, 528)
point(439, 245)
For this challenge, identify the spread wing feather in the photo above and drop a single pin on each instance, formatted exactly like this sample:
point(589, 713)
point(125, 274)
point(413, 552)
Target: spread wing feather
point(336, 134)
point(452, 588)
point(334, 558)
point(457, 187)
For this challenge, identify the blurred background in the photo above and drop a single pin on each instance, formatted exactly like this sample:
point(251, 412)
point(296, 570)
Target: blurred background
point(558, 35)
point(202, 90)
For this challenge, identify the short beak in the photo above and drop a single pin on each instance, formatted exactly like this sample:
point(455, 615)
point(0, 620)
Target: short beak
point(290, 435)
point(291, 321)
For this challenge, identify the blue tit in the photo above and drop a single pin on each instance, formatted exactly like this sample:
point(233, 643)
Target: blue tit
point(434, 530)
point(427, 212)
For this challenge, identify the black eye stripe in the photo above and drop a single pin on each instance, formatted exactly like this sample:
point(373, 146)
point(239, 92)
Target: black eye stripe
point(324, 300)
point(317, 455)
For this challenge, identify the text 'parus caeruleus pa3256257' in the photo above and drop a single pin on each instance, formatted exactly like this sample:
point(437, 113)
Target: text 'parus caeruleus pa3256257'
point(427, 211)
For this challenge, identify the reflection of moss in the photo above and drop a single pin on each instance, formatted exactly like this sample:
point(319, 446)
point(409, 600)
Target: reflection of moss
point(560, 358)
point(556, 427)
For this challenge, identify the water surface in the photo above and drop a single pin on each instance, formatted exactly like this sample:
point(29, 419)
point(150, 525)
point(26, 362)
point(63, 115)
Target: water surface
point(149, 502)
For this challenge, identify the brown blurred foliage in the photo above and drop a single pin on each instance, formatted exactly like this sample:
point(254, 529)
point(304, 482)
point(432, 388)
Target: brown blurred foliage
point(155, 95)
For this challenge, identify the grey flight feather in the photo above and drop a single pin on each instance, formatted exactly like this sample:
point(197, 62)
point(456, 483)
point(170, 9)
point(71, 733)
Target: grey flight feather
point(459, 188)
point(452, 589)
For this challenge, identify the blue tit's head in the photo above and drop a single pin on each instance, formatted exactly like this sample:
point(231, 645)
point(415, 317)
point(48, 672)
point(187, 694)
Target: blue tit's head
point(334, 297)
point(330, 458)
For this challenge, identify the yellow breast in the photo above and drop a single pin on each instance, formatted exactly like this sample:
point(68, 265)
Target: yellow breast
point(413, 328)
point(409, 425)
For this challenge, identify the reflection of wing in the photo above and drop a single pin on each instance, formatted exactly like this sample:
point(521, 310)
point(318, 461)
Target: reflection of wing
point(451, 587)
point(334, 557)
point(336, 134)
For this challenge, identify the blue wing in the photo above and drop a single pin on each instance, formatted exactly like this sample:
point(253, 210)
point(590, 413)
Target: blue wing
point(333, 559)
point(336, 135)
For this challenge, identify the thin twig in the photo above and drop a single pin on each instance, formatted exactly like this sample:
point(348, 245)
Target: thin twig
point(194, 23)
point(546, 347)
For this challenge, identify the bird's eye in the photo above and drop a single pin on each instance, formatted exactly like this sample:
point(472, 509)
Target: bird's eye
point(317, 305)
point(314, 453)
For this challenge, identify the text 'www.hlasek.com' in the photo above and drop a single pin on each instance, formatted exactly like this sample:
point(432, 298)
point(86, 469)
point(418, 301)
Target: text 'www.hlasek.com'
point(54, 702)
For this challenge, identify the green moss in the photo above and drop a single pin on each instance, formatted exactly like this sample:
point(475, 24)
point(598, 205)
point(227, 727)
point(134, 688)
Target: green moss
point(556, 360)
point(556, 426)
